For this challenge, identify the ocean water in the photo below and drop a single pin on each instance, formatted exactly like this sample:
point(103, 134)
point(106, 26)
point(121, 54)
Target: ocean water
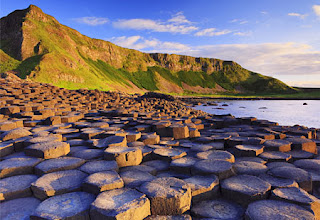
point(285, 112)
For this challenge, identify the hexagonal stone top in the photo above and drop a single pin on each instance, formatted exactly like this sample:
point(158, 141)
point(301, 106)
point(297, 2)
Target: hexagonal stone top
point(48, 150)
point(217, 155)
point(218, 209)
point(98, 166)
point(273, 209)
point(295, 194)
point(65, 206)
point(20, 208)
point(16, 166)
point(58, 164)
point(246, 184)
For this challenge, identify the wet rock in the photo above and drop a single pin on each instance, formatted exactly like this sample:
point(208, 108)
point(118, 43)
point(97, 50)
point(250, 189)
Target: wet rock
point(216, 155)
point(168, 196)
point(102, 181)
point(17, 166)
point(58, 164)
point(218, 209)
point(222, 169)
point(16, 187)
point(245, 189)
point(273, 209)
point(122, 203)
point(20, 208)
point(302, 177)
point(203, 187)
point(99, 166)
point(298, 196)
point(57, 183)
point(48, 150)
point(73, 205)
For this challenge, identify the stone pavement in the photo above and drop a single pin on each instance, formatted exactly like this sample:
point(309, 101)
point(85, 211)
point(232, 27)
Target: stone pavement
point(89, 154)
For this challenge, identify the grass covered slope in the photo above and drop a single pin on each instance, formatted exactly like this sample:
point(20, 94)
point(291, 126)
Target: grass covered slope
point(37, 46)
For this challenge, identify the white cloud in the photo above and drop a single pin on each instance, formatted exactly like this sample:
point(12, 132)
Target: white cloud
point(239, 21)
point(243, 34)
point(212, 32)
point(93, 21)
point(316, 9)
point(150, 45)
point(301, 16)
point(264, 12)
point(179, 18)
point(177, 24)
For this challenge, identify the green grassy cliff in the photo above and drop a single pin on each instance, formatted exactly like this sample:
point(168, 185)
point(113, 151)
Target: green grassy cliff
point(35, 45)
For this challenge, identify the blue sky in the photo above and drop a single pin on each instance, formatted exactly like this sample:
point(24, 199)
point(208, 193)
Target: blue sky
point(279, 38)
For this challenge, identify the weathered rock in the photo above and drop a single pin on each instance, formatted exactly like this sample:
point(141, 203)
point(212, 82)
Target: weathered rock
point(16, 187)
point(169, 217)
point(277, 145)
point(159, 165)
point(48, 150)
point(58, 164)
point(99, 166)
point(300, 197)
point(88, 154)
point(203, 187)
point(142, 168)
point(222, 169)
point(278, 182)
point(245, 189)
point(20, 208)
point(248, 150)
point(102, 181)
point(168, 154)
point(17, 166)
point(275, 156)
point(273, 209)
point(279, 164)
point(112, 141)
point(57, 183)
point(183, 165)
point(300, 154)
point(6, 148)
point(150, 139)
point(302, 177)
point(15, 134)
point(134, 178)
point(303, 144)
point(133, 136)
point(122, 203)
point(74, 205)
point(168, 196)
point(218, 209)
point(308, 164)
point(216, 155)
point(250, 168)
point(179, 131)
point(125, 156)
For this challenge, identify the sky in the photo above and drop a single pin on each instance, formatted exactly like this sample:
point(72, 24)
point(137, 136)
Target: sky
point(278, 38)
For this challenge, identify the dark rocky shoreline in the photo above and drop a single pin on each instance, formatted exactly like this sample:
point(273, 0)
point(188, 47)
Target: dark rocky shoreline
point(81, 154)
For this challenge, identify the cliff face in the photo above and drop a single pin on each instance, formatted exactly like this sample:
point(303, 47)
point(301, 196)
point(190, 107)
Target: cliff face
point(37, 46)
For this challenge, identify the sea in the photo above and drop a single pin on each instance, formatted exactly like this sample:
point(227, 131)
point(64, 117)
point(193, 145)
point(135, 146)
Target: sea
point(285, 112)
